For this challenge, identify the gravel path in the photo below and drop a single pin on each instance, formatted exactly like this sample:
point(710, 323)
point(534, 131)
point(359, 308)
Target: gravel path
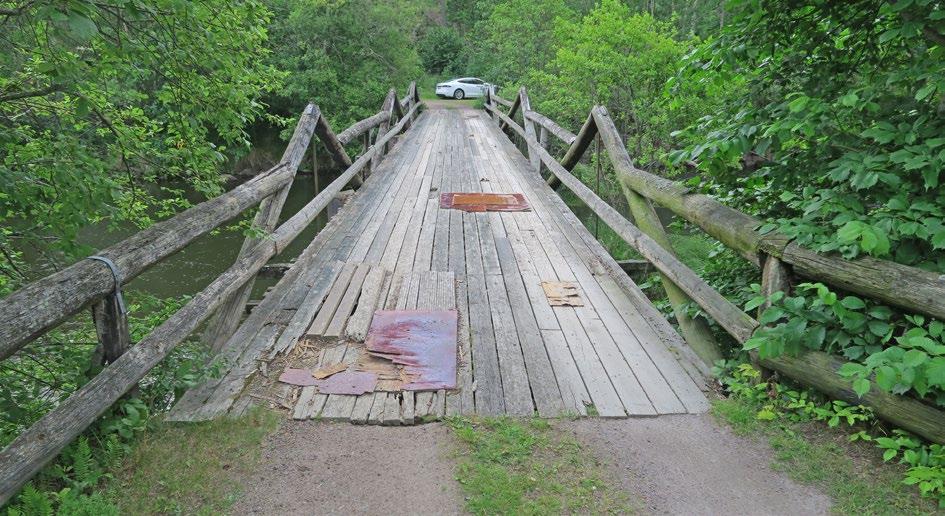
point(671, 464)
point(692, 465)
point(340, 468)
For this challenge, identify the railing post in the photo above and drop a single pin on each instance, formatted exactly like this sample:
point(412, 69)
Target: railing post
point(526, 106)
point(388, 107)
point(543, 141)
point(313, 147)
point(365, 145)
point(695, 330)
point(231, 312)
point(111, 326)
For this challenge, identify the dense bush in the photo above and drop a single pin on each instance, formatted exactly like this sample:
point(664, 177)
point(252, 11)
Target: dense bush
point(441, 50)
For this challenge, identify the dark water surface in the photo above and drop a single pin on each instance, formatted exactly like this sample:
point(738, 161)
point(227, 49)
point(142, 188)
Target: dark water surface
point(192, 268)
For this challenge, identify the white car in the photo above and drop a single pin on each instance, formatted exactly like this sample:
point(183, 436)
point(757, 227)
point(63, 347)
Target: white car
point(466, 87)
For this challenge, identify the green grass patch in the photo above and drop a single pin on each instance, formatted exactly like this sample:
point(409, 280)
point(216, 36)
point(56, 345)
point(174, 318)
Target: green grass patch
point(193, 468)
point(510, 466)
point(851, 473)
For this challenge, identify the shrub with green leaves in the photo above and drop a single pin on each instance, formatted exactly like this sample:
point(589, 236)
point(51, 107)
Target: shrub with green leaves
point(900, 353)
point(840, 104)
point(925, 461)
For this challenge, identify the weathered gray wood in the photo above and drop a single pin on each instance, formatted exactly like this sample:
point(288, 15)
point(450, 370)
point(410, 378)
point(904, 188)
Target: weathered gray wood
point(541, 376)
point(388, 108)
point(487, 380)
point(327, 311)
point(332, 145)
point(696, 331)
point(111, 326)
point(45, 303)
point(302, 317)
point(549, 125)
point(346, 305)
point(530, 133)
point(360, 321)
point(577, 149)
point(230, 313)
point(739, 324)
point(500, 100)
point(513, 108)
point(362, 127)
point(518, 399)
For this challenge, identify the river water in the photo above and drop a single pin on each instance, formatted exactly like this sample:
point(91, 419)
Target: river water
point(192, 268)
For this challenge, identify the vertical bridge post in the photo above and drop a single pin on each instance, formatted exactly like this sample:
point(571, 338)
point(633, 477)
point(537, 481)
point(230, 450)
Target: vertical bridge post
point(229, 314)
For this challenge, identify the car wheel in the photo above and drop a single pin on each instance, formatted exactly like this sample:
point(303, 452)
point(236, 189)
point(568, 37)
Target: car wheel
point(459, 94)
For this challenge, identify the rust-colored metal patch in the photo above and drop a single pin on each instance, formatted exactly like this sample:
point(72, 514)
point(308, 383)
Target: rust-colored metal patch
point(562, 293)
point(477, 202)
point(301, 377)
point(348, 382)
point(422, 341)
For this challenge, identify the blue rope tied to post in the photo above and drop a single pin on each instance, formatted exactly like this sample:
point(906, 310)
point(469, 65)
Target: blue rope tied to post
point(116, 274)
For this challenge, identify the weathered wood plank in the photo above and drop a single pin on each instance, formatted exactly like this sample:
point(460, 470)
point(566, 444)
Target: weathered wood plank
point(346, 305)
point(360, 321)
point(327, 311)
point(541, 376)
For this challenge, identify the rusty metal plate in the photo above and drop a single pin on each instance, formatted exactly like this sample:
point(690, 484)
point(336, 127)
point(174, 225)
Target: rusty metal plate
point(348, 382)
point(478, 202)
point(562, 293)
point(300, 377)
point(422, 341)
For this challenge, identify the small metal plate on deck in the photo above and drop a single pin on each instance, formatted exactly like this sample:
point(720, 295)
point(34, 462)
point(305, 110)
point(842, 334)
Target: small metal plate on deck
point(422, 341)
point(478, 202)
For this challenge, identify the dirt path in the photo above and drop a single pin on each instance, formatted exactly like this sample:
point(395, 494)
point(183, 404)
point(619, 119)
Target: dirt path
point(671, 464)
point(325, 468)
point(692, 465)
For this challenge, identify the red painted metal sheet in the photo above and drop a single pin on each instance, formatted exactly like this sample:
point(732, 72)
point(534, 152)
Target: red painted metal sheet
point(348, 382)
point(422, 341)
point(477, 201)
point(302, 377)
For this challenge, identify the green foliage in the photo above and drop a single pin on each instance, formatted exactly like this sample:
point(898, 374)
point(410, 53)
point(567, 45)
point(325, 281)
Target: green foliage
point(924, 462)
point(516, 38)
point(441, 50)
point(100, 101)
point(343, 54)
point(48, 370)
point(620, 59)
point(900, 353)
point(841, 104)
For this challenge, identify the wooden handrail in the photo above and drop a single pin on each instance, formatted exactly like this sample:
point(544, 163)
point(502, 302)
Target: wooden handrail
point(560, 132)
point(733, 319)
point(361, 126)
point(813, 368)
point(45, 303)
point(40, 443)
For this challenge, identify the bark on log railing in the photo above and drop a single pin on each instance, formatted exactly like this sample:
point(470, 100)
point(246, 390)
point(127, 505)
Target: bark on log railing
point(45, 303)
point(560, 132)
point(816, 369)
point(42, 305)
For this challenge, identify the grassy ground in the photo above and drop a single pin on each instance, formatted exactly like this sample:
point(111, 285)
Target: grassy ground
point(852, 474)
point(191, 469)
point(526, 467)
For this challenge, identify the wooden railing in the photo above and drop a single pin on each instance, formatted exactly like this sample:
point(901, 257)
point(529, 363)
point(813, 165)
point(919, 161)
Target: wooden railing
point(907, 287)
point(44, 304)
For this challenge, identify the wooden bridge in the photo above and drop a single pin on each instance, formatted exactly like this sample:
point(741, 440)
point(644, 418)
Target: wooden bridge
point(606, 352)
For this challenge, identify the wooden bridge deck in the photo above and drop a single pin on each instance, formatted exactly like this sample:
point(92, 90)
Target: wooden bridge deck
point(392, 246)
